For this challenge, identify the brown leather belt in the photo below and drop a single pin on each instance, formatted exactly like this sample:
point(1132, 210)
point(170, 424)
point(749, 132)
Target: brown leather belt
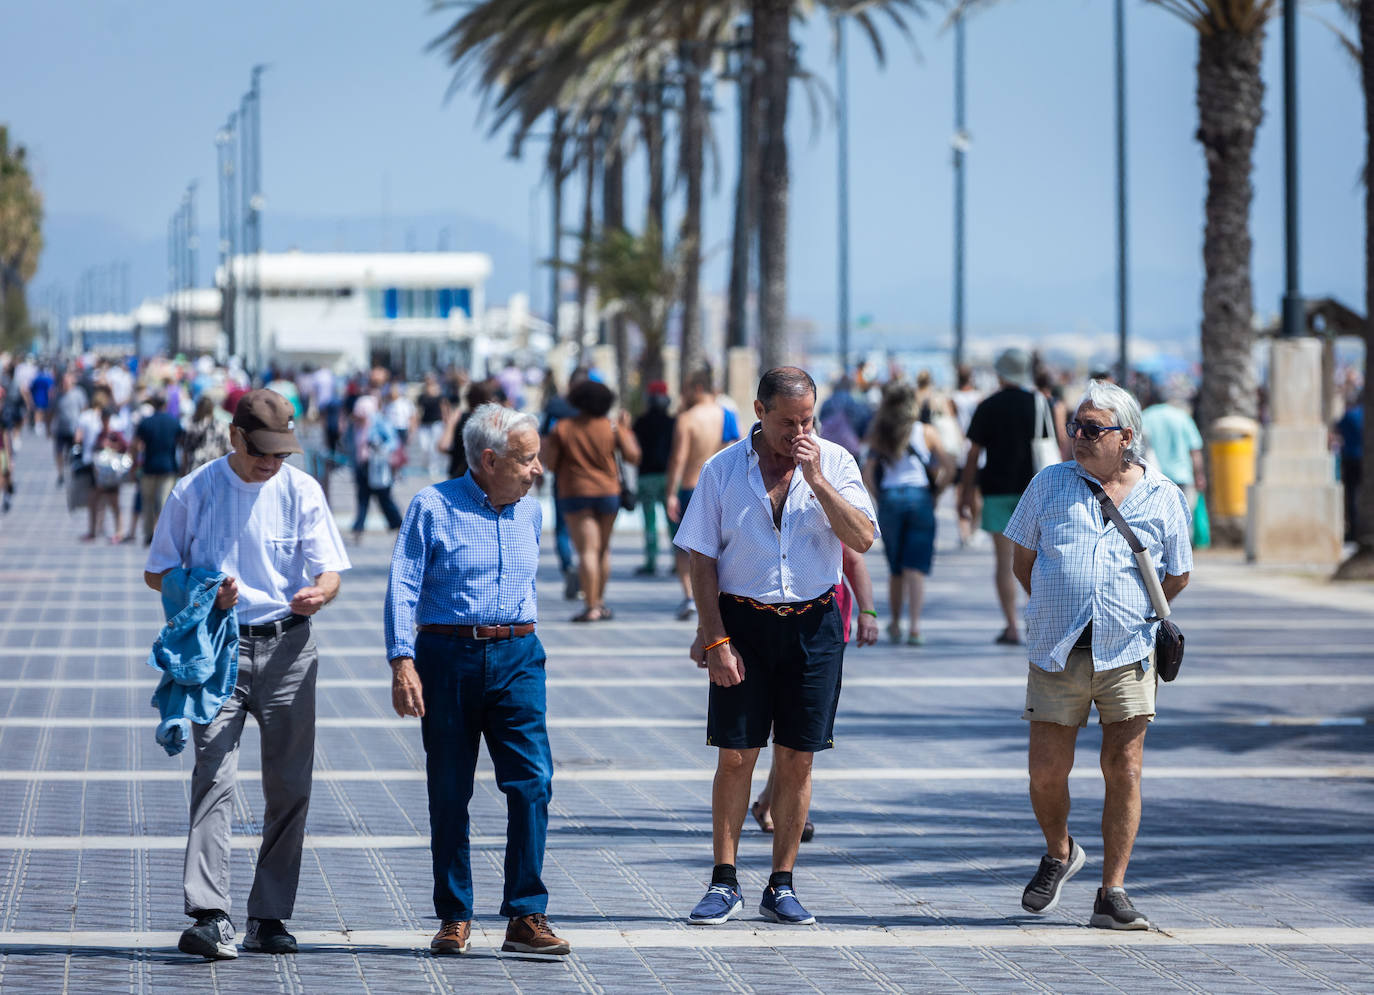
point(784, 610)
point(481, 631)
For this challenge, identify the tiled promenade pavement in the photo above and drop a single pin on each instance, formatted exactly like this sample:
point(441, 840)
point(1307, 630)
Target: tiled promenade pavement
point(1253, 858)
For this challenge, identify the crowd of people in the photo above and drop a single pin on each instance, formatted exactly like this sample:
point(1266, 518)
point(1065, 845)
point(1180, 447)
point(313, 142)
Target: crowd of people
point(769, 516)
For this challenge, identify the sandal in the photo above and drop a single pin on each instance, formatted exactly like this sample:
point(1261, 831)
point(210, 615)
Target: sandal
point(588, 615)
point(1005, 638)
point(808, 831)
point(765, 823)
point(894, 631)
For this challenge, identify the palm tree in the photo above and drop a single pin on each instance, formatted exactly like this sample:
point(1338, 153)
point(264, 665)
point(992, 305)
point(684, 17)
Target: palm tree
point(574, 55)
point(1360, 566)
point(635, 279)
point(772, 33)
point(583, 58)
point(773, 55)
point(692, 148)
point(21, 240)
point(1230, 99)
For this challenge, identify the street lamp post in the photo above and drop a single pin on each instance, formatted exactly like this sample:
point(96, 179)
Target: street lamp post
point(842, 225)
point(1122, 279)
point(250, 144)
point(226, 146)
point(961, 144)
point(1294, 314)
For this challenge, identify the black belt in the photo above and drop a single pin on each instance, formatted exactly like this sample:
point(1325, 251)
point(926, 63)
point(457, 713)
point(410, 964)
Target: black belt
point(273, 628)
point(1085, 638)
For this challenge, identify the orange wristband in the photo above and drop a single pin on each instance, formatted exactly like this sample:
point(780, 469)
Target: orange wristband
point(718, 642)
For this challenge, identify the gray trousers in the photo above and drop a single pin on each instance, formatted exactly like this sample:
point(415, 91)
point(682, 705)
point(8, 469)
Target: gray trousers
point(276, 685)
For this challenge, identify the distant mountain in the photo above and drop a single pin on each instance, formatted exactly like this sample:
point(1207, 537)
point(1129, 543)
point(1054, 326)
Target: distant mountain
point(78, 243)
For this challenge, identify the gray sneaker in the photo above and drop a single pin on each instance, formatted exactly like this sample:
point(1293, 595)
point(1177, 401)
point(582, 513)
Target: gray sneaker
point(1112, 909)
point(212, 937)
point(1041, 896)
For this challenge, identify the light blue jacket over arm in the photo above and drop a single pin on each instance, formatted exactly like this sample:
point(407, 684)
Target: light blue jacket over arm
point(197, 652)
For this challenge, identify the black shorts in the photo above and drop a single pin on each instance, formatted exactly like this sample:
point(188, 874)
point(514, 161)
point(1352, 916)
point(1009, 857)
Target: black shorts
point(791, 680)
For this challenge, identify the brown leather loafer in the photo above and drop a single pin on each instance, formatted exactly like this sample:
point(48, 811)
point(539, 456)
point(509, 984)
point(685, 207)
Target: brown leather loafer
point(453, 937)
point(532, 934)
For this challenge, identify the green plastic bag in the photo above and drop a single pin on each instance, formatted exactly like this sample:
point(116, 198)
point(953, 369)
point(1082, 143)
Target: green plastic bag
point(1202, 525)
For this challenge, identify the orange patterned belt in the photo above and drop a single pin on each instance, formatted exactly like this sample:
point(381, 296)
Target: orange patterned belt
point(783, 611)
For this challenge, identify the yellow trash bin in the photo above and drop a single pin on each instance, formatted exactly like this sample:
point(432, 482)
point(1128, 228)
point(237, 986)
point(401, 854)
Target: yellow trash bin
point(1231, 454)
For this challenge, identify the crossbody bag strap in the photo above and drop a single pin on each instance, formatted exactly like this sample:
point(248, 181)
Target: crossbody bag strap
point(1113, 514)
point(1143, 560)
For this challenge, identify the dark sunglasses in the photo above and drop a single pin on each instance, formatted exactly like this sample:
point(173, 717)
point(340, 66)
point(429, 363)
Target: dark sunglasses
point(255, 454)
point(1088, 430)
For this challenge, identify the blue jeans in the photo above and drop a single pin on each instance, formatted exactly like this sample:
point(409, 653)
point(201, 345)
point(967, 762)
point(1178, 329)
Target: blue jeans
point(562, 539)
point(906, 518)
point(492, 688)
point(366, 493)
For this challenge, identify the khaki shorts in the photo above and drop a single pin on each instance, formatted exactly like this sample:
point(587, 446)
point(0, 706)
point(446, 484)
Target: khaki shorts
point(1067, 696)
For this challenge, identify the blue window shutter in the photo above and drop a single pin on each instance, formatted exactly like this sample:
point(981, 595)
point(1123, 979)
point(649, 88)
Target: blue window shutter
point(445, 301)
point(462, 299)
point(390, 302)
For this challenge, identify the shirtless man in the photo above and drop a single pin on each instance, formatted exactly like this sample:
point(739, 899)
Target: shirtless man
point(704, 427)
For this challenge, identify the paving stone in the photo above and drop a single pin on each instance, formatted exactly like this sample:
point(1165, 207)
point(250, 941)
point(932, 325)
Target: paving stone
point(628, 855)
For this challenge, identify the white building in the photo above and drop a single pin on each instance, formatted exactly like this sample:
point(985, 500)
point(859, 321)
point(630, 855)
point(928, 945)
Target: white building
point(410, 311)
point(186, 321)
point(106, 334)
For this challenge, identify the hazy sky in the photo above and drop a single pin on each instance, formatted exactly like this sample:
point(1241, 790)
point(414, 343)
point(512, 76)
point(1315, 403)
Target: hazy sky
point(118, 102)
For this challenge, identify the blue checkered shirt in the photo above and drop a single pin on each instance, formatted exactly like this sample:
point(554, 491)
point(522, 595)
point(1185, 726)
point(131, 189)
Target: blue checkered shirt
point(1084, 569)
point(459, 561)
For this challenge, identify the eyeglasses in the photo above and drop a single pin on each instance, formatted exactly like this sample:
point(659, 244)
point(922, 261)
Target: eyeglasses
point(1088, 430)
point(256, 454)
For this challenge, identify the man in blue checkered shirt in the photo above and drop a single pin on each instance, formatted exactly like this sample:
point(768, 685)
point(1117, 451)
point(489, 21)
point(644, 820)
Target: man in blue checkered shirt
point(462, 573)
point(1090, 634)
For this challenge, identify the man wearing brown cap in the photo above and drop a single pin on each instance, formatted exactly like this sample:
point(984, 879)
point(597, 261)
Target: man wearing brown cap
point(266, 527)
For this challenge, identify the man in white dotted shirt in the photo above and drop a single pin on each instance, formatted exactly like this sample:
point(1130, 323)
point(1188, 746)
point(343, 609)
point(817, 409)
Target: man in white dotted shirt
point(266, 526)
point(765, 530)
point(1090, 634)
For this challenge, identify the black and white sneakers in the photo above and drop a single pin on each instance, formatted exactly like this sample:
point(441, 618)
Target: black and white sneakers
point(212, 937)
point(268, 936)
point(1041, 896)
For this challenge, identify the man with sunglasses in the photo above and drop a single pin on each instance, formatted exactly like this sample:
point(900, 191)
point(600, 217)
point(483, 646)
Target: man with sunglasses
point(265, 526)
point(1090, 634)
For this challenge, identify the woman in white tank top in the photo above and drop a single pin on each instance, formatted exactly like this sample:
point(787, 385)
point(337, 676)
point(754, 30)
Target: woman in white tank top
point(905, 471)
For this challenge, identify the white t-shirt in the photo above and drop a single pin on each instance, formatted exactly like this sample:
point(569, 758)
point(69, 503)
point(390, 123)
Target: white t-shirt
point(90, 425)
point(399, 413)
point(910, 469)
point(274, 537)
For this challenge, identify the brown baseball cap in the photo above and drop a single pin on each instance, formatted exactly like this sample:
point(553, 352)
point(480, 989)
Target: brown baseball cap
point(269, 421)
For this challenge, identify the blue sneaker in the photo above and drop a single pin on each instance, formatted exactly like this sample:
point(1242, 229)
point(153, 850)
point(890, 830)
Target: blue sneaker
point(781, 905)
point(719, 904)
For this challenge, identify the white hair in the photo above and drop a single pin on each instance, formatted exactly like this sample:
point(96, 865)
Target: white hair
point(490, 427)
point(1125, 410)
